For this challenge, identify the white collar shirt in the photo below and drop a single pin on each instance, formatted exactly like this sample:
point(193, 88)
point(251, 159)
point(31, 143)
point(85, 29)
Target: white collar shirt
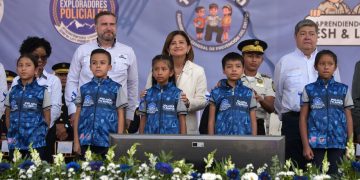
point(292, 73)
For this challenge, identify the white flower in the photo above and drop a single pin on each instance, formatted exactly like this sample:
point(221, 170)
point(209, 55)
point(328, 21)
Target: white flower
point(1, 156)
point(110, 154)
point(102, 168)
point(152, 159)
point(84, 165)
point(47, 170)
point(88, 155)
point(17, 155)
point(262, 169)
point(288, 164)
point(208, 176)
point(322, 177)
point(229, 165)
point(153, 177)
point(35, 156)
point(177, 170)
point(59, 159)
point(218, 177)
point(71, 170)
point(325, 164)
point(249, 176)
point(249, 167)
point(104, 177)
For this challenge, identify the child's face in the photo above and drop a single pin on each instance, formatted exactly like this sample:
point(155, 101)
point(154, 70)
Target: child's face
point(326, 67)
point(201, 12)
point(162, 72)
point(26, 69)
point(233, 70)
point(99, 65)
point(226, 11)
point(252, 61)
point(213, 11)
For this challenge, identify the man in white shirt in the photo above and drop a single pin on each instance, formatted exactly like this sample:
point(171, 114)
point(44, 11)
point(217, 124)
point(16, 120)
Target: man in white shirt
point(41, 49)
point(292, 73)
point(124, 65)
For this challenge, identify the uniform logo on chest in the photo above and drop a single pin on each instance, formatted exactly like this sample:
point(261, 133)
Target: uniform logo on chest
point(317, 103)
point(151, 109)
point(88, 101)
point(168, 107)
point(224, 105)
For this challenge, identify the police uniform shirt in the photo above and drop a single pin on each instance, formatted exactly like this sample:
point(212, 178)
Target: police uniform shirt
point(263, 87)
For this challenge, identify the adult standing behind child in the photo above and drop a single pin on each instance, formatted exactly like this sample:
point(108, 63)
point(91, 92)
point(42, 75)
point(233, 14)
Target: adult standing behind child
point(325, 117)
point(232, 105)
point(189, 77)
point(292, 72)
point(162, 110)
point(262, 85)
point(41, 49)
point(124, 65)
point(100, 108)
point(27, 110)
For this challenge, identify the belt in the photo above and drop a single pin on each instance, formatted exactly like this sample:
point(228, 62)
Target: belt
point(292, 113)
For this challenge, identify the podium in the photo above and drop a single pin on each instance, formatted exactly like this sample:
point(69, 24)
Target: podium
point(194, 148)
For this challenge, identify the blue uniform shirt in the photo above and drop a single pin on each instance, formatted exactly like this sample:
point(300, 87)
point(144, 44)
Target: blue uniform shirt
point(327, 127)
point(27, 122)
point(99, 100)
point(233, 107)
point(162, 106)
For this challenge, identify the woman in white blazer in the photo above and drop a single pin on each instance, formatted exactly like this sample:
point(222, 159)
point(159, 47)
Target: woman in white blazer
point(190, 77)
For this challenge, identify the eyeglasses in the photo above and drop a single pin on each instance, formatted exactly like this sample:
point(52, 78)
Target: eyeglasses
point(42, 58)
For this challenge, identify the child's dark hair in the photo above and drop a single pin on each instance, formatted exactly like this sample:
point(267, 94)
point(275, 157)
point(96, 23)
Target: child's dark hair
point(29, 45)
point(31, 57)
point(101, 51)
point(213, 5)
point(322, 53)
point(197, 9)
point(232, 56)
point(169, 61)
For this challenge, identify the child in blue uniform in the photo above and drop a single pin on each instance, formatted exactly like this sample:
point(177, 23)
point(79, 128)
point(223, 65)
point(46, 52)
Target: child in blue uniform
point(27, 110)
point(325, 116)
point(161, 108)
point(100, 107)
point(232, 105)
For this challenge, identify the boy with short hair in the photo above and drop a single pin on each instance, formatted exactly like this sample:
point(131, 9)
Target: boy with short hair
point(232, 105)
point(100, 107)
point(199, 22)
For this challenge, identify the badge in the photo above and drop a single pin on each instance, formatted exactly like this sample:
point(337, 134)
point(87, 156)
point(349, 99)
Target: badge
point(260, 83)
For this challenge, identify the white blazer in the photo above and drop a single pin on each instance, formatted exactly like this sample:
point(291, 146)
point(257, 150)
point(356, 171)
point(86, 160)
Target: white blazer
point(192, 82)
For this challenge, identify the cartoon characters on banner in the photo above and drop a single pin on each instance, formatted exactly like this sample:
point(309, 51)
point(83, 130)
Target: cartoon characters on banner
point(210, 27)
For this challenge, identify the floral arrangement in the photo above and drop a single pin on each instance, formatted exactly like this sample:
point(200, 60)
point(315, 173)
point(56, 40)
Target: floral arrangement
point(162, 166)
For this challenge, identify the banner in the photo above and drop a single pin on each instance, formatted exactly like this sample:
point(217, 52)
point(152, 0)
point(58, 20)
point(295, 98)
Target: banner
point(144, 25)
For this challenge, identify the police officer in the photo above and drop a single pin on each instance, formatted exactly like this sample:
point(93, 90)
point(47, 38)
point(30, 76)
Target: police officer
point(64, 129)
point(252, 51)
point(10, 75)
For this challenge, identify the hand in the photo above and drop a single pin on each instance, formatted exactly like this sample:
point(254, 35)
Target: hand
point(258, 97)
point(308, 153)
point(185, 99)
point(72, 119)
point(143, 93)
point(61, 133)
point(77, 148)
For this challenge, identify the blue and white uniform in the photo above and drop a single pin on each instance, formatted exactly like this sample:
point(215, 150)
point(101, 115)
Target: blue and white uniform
point(327, 126)
point(99, 100)
point(27, 122)
point(162, 105)
point(233, 106)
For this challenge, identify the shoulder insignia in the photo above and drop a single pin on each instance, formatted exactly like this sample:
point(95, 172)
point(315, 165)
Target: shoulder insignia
point(265, 76)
